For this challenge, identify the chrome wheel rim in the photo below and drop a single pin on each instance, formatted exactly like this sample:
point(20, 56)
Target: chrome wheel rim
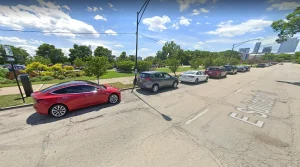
point(58, 110)
point(155, 88)
point(113, 99)
point(175, 84)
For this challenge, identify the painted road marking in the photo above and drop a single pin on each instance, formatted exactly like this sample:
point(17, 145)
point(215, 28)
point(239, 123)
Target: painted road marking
point(193, 119)
point(245, 119)
point(238, 91)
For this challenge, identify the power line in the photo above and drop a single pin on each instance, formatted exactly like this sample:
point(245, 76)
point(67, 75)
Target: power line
point(60, 32)
point(150, 38)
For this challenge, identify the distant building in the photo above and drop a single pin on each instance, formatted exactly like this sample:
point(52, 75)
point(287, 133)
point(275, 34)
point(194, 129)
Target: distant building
point(244, 53)
point(139, 58)
point(256, 47)
point(267, 49)
point(288, 46)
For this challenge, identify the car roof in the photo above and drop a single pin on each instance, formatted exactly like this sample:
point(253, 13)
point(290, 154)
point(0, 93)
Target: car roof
point(151, 72)
point(215, 67)
point(69, 83)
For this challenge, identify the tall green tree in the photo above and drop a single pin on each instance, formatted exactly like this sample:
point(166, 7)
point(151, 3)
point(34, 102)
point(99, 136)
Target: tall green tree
point(131, 58)
point(50, 52)
point(173, 64)
point(102, 51)
point(78, 62)
point(122, 56)
point(195, 63)
point(38, 59)
point(79, 51)
point(97, 66)
point(150, 58)
point(289, 27)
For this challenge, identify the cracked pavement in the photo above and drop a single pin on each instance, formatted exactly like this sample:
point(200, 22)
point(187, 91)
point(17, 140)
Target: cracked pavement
point(188, 126)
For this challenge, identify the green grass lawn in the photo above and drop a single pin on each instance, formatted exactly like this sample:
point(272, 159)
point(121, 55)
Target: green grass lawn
point(13, 100)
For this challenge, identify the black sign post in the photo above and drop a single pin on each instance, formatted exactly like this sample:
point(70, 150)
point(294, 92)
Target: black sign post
point(9, 57)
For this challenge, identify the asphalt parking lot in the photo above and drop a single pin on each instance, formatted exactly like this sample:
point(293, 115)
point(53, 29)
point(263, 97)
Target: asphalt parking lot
point(248, 119)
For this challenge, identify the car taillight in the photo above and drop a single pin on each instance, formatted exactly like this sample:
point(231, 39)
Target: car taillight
point(147, 79)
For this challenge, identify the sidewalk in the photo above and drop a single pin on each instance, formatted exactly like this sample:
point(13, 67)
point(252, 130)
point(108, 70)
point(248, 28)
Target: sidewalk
point(37, 87)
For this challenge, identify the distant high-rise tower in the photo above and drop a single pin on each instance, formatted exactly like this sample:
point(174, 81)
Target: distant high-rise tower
point(256, 47)
point(267, 49)
point(245, 53)
point(288, 46)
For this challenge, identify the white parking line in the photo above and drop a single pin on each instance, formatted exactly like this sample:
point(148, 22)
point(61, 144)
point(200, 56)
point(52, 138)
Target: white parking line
point(193, 119)
point(238, 91)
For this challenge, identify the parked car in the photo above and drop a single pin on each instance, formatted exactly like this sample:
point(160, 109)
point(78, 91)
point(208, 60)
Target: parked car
point(241, 69)
point(247, 68)
point(267, 65)
point(231, 69)
point(281, 63)
point(216, 71)
point(61, 98)
point(155, 80)
point(262, 65)
point(17, 67)
point(193, 76)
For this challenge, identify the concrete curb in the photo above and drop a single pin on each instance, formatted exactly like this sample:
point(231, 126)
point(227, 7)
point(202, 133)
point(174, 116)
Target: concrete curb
point(14, 107)
point(28, 105)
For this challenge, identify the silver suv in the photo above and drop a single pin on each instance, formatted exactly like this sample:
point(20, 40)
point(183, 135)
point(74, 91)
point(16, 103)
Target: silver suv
point(155, 80)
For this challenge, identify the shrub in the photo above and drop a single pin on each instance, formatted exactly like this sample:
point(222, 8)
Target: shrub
point(125, 66)
point(69, 68)
point(144, 66)
point(36, 67)
point(78, 74)
point(71, 75)
point(47, 73)
point(61, 77)
point(6, 81)
point(57, 70)
point(46, 78)
point(3, 72)
point(35, 79)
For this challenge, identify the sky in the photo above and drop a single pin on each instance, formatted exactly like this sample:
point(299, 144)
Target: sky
point(211, 25)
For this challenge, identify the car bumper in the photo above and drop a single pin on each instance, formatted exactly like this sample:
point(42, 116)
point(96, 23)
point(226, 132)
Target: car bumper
point(41, 108)
point(212, 75)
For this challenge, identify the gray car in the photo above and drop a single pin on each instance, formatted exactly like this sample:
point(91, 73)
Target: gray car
point(155, 80)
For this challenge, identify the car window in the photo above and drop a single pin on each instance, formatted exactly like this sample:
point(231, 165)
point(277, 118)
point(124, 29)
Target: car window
point(67, 90)
point(165, 75)
point(158, 75)
point(199, 73)
point(144, 75)
point(213, 68)
point(87, 88)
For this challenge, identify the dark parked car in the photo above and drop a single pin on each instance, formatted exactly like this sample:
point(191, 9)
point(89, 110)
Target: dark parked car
point(155, 80)
point(216, 71)
point(262, 65)
point(247, 68)
point(241, 69)
point(231, 69)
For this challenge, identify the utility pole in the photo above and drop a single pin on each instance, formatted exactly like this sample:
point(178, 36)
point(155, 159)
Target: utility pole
point(138, 20)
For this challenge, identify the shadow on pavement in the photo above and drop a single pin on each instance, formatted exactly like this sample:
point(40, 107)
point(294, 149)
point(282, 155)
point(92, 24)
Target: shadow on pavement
point(193, 84)
point(148, 92)
point(292, 83)
point(38, 119)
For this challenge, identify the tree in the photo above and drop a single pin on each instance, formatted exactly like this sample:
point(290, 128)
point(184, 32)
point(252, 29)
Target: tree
point(173, 64)
point(150, 58)
point(131, 58)
point(79, 51)
point(50, 52)
point(78, 62)
point(20, 55)
point(173, 50)
point(125, 65)
point(38, 59)
point(195, 63)
point(97, 66)
point(122, 56)
point(101, 51)
point(289, 27)
point(144, 65)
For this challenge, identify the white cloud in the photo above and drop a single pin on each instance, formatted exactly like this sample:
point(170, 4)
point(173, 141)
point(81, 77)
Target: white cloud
point(201, 10)
point(227, 29)
point(65, 51)
point(198, 45)
point(284, 6)
point(36, 42)
point(111, 32)
point(198, 23)
point(119, 46)
point(100, 8)
point(13, 40)
point(66, 7)
point(45, 16)
point(99, 17)
point(207, 23)
point(145, 50)
point(157, 23)
point(90, 9)
point(184, 21)
point(161, 42)
point(219, 40)
point(175, 26)
point(110, 5)
point(29, 48)
point(95, 9)
point(184, 4)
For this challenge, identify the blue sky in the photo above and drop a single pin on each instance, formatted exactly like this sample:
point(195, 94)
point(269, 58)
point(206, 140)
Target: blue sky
point(212, 25)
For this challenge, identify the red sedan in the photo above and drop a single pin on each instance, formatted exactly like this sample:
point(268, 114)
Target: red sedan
point(58, 99)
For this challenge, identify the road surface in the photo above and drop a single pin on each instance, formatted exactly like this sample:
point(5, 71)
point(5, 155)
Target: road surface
point(248, 119)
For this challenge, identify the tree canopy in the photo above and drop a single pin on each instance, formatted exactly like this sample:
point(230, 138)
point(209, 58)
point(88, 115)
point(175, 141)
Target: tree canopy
point(50, 52)
point(79, 51)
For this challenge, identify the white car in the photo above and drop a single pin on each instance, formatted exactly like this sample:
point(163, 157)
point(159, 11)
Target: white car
point(193, 76)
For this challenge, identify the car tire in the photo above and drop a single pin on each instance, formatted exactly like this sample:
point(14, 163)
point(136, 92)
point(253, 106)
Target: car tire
point(225, 76)
point(219, 76)
point(58, 110)
point(196, 81)
point(155, 88)
point(113, 98)
point(175, 84)
point(206, 79)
